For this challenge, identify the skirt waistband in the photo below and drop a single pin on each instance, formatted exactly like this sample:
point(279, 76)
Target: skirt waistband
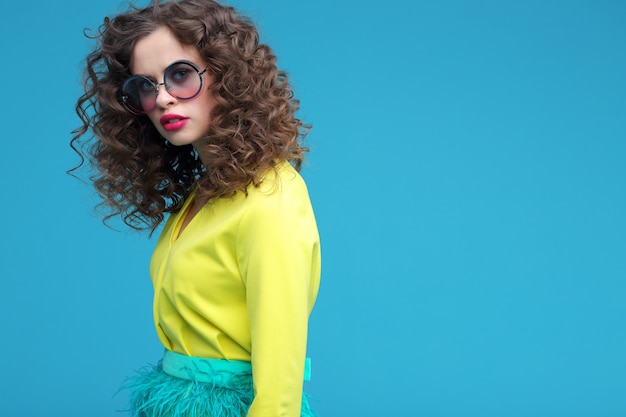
point(218, 371)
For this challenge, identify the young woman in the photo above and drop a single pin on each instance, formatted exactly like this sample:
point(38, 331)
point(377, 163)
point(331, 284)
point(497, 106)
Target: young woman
point(190, 117)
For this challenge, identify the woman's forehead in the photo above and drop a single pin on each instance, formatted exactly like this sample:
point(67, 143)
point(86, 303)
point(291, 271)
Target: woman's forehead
point(156, 51)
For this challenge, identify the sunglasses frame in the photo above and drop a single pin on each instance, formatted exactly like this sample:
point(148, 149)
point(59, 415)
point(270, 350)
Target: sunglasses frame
point(156, 86)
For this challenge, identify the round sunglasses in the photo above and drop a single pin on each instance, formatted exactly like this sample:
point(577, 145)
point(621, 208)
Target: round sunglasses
point(182, 80)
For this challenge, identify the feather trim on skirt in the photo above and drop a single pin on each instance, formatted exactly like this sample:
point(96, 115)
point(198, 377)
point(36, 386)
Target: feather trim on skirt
point(154, 393)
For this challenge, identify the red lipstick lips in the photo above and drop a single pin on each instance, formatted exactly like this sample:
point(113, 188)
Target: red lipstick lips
point(171, 122)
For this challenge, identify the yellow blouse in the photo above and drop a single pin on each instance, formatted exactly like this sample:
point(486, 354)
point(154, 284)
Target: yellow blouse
point(239, 283)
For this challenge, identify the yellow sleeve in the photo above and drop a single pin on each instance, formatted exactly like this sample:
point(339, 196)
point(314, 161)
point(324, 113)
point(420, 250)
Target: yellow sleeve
point(279, 257)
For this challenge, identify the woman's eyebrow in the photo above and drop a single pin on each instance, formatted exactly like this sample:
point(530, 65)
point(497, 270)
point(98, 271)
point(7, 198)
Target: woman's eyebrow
point(177, 61)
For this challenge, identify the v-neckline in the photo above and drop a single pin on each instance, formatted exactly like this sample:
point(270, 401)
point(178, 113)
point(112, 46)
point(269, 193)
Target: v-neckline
point(185, 217)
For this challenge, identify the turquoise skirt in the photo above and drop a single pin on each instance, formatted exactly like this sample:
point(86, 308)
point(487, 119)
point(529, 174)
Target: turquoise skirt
point(187, 386)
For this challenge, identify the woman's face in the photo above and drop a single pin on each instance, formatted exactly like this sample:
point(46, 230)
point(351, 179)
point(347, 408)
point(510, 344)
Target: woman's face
point(181, 122)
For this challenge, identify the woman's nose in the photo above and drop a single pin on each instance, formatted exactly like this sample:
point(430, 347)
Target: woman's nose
point(164, 98)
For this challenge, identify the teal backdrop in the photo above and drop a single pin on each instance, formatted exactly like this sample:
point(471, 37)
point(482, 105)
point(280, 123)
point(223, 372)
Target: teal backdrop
point(468, 171)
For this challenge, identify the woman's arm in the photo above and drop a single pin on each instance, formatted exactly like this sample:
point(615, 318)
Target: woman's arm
point(279, 254)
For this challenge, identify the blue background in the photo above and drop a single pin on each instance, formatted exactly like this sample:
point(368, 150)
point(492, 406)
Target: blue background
point(468, 174)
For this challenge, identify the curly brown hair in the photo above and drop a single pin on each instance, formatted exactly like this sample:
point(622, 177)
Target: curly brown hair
point(140, 175)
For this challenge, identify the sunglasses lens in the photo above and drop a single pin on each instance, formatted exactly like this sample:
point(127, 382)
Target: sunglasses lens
point(182, 80)
point(139, 94)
